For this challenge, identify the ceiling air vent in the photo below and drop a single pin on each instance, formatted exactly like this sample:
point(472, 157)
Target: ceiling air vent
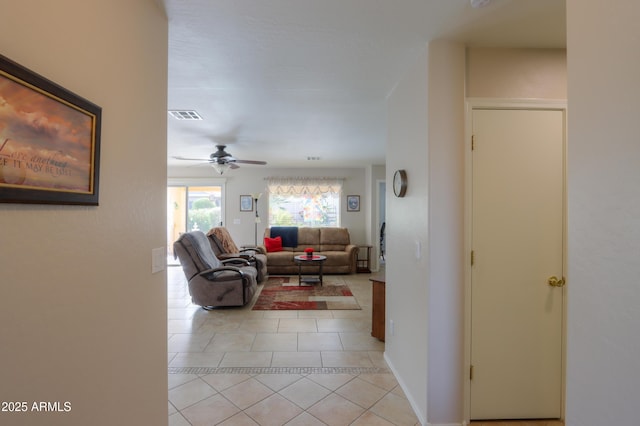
point(185, 115)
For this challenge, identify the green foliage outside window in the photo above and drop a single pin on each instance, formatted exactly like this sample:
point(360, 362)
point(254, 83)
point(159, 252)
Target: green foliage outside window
point(205, 217)
point(281, 217)
point(203, 203)
point(304, 209)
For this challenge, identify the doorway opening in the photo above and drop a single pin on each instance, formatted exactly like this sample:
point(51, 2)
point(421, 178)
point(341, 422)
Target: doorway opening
point(515, 314)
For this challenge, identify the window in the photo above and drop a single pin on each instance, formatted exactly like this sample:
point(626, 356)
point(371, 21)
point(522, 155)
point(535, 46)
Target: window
point(191, 208)
point(304, 201)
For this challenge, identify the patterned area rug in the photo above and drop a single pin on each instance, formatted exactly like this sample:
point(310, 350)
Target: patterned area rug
point(283, 293)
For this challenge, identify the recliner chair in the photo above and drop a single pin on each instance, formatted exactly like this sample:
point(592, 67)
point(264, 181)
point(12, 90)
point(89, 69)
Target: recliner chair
point(212, 282)
point(224, 247)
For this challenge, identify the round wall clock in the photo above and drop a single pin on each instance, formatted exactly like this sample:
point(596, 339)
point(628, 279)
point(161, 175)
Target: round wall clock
point(400, 183)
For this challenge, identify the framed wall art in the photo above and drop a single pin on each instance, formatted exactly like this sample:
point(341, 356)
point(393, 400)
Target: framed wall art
point(246, 203)
point(49, 141)
point(353, 203)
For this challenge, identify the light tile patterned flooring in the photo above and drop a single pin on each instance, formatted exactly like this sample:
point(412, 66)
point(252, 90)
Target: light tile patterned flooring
point(242, 367)
point(519, 423)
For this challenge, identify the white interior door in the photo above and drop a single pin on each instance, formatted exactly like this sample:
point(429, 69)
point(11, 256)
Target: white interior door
point(517, 243)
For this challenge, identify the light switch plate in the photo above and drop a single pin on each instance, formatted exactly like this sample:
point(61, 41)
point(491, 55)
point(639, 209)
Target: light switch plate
point(158, 259)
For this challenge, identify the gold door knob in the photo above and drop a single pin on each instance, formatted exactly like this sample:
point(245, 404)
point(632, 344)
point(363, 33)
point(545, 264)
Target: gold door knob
point(555, 282)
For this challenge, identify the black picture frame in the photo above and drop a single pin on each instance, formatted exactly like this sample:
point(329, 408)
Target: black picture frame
point(49, 141)
point(353, 203)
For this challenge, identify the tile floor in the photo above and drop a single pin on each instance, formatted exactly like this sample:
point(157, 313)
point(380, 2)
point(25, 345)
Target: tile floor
point(243, 367)
point(519, 423)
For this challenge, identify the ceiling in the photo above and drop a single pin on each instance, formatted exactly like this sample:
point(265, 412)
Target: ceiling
point(284, 80)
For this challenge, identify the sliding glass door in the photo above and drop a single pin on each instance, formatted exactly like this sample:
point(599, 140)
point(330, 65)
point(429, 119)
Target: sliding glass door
point(191, 208)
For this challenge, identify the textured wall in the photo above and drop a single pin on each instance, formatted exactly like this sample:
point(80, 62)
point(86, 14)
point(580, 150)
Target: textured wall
point(446, 231)
point(82, 318)
point(426, 137)
point(516, 73)
point(407, 218)
point(604, 213)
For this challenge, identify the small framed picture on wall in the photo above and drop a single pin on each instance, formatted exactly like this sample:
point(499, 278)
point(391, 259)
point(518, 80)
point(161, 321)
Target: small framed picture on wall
point(246, 203)
point(353, 203)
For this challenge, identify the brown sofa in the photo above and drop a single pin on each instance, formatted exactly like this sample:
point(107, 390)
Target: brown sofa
point(334, 243)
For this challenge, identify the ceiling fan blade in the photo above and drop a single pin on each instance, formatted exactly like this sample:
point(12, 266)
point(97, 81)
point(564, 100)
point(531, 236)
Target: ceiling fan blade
point(262, 163)
point(220, 156)
point(177, 157)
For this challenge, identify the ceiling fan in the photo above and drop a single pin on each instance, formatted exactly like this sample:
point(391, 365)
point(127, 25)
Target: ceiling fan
point(221, 160)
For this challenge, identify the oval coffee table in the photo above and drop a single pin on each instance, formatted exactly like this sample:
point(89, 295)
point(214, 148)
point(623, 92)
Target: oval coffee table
point(316, 259)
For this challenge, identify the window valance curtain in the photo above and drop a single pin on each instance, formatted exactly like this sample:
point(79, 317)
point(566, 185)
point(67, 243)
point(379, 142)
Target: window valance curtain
point(303, 185)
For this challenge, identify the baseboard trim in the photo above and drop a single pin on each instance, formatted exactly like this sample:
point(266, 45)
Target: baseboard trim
point(414, 406)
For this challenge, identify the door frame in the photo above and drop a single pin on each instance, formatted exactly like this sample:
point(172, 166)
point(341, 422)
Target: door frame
point(495, 103)
point(187, 182)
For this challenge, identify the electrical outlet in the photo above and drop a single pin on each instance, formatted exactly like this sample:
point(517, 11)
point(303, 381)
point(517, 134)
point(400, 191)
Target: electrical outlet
point(391, 327)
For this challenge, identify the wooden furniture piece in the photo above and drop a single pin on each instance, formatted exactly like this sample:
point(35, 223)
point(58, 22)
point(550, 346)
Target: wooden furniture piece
point(378, 306)
point(316, 259)
point(364, 259)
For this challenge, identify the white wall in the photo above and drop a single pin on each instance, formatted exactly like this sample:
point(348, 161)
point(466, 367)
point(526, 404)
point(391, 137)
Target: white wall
point(251, 179)
point(446, 231)
point(406, 275)
point(425, 297)
point(604, 213)
point(82, 318)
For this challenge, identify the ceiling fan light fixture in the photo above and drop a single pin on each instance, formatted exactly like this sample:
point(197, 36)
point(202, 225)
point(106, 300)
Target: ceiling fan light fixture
point(222, 160)
point(220, 167)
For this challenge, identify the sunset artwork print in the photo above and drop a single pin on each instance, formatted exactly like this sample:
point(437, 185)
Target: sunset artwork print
point(48, 141)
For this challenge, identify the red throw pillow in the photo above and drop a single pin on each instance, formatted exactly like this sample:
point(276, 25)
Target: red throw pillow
point(273, 244)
